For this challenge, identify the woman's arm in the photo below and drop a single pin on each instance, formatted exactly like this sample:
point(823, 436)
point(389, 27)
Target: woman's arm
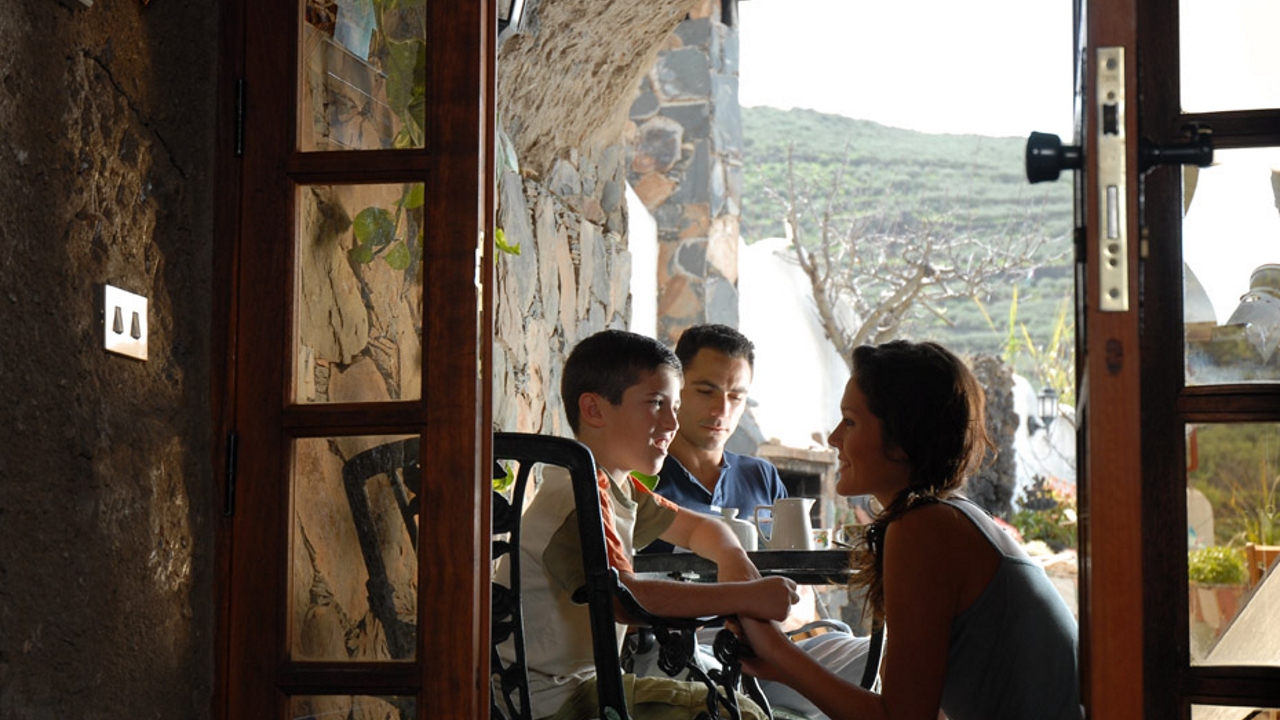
point(925, 568)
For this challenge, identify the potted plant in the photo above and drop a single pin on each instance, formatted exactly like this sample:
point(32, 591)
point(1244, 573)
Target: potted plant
point(1216, 581)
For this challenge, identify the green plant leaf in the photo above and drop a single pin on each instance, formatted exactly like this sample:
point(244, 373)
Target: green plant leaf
point(398, 256)
point(374, 227)
point(502, 484)
point(414, 198)
point(361, 254)
point(406, 68)
point(500, 241)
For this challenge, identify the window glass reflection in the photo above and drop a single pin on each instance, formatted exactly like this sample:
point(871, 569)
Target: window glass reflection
point(1231, 268)
point(1233, 540)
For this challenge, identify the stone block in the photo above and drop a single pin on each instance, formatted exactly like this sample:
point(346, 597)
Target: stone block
point(721, 297)
point(680, 299)
point(565, 180)
point(653, 189)
point(695, 222)
point(683, 74)
point(695, 118)
point(727, 128)
point(545, 246)
point(659, 146)
point(695, 32)
point(645, 105)
point(568, 290)
point(722, 247)
point(691, 258)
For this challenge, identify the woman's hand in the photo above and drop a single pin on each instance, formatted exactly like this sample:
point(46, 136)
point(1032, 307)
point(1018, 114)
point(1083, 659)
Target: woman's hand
point(768, 647)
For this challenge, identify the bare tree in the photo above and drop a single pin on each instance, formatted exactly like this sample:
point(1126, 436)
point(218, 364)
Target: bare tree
point(872, 269)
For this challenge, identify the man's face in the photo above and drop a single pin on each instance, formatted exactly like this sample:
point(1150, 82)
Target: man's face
point(713, 398)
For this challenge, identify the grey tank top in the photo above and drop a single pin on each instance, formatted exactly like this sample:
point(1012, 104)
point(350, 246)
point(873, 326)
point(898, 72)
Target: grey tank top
point(1013, 653)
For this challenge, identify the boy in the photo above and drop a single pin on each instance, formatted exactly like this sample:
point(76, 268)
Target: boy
point(621, 392)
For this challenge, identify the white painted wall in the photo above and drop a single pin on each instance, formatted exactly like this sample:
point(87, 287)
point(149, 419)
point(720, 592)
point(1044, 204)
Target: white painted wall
point(642, 242)
point(799, 377)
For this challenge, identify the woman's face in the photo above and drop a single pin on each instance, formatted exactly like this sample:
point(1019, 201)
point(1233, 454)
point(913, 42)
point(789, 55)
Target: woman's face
point(867, 467)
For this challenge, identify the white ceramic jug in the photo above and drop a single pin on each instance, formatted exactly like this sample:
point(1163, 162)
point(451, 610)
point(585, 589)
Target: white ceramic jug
point(791, 528)
point(745, 531)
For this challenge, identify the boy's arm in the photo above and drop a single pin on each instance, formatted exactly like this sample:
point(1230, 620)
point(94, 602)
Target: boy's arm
point(714, 541)
point(767, 598)
point(740, 590)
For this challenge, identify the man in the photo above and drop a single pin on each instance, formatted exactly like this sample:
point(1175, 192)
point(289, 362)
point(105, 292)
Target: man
point(699, 473)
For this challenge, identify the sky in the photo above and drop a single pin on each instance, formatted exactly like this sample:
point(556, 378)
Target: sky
point(998, 67)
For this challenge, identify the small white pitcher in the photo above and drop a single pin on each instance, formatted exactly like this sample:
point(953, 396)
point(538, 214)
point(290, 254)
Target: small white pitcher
point(791, 528)
point(745, 531)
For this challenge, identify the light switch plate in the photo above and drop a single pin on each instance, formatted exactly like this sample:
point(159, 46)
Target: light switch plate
point(124, 323)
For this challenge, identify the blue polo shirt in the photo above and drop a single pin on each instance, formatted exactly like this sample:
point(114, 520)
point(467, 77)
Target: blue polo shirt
point(744, 483)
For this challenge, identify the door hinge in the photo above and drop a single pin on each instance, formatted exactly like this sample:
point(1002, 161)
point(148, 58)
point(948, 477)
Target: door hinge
point(229, 486)
point(239, 117)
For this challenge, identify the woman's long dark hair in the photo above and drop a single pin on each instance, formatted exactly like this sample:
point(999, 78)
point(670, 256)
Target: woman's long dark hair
point(932, 408)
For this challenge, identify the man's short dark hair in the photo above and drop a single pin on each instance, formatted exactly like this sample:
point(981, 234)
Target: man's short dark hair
point(715, 337)
point(607, 363)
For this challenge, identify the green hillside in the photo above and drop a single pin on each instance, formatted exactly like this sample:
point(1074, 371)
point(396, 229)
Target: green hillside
point(902, 176)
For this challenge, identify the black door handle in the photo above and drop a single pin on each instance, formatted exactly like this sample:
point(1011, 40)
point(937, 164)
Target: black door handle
point(1047, 157)
point(1197, 151)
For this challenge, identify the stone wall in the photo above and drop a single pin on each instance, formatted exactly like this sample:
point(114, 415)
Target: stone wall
point(565, 82)
point(106, 513)
point(685, 143)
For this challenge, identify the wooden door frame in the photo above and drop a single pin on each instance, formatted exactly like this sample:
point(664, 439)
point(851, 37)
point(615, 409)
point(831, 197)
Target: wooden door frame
point(1112, 594)
point(454, 413)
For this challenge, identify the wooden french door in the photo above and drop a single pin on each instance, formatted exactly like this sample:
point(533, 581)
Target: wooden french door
point(356, 199)
point(1179, 386)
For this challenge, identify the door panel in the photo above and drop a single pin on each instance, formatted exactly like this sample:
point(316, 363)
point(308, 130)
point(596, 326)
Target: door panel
point(354, 576)
point(1161, 376)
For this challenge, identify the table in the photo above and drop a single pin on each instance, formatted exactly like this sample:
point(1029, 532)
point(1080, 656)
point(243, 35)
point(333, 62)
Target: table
point(807, 567)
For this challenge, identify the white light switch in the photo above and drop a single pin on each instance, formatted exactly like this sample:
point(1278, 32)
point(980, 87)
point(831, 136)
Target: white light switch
point(124, 323)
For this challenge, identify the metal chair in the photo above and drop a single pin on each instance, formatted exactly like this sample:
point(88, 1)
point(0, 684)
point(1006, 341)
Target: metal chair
point(398, 463)
point(602, 589)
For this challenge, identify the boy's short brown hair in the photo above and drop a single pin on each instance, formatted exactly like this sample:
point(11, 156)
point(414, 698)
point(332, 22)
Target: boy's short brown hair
point(607, 363)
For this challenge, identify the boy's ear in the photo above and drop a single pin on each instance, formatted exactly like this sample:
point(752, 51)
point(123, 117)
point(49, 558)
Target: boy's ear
point(591, 409)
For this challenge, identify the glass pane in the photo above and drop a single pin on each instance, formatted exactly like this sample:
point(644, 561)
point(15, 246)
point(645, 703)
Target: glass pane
point(363, 80)
point(1229, 57)
point(1225, 712)
point(1233, 530)
point(354, 560)
point(1231, 268)
point(359, 294)
point(340, 707)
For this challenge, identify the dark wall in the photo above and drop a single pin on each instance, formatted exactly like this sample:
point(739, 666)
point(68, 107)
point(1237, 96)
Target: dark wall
point(106, 508)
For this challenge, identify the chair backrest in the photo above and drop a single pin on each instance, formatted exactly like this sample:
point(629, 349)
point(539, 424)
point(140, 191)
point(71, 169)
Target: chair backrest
point(398, 463)
point(1259, 558)
point(528, 451)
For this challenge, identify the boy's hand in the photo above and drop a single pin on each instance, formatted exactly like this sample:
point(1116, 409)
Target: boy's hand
point(769, 598)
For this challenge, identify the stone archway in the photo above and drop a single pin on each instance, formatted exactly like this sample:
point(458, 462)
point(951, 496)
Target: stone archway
point(570, 125)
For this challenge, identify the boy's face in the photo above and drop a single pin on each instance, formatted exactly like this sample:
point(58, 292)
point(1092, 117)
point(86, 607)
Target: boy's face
point(635, 433)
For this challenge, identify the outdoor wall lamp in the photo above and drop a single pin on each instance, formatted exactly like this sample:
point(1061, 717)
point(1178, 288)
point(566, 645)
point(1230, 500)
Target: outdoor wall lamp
point(1047, 406)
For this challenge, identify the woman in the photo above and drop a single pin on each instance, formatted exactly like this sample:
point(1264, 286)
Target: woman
point(973, 626)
